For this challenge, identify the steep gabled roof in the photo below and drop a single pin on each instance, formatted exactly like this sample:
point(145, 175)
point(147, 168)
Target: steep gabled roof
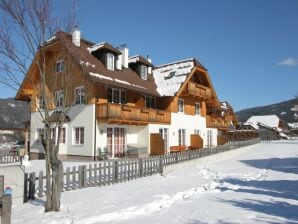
point(97, 72)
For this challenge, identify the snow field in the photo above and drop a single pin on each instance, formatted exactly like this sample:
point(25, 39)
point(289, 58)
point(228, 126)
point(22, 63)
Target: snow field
point(258, 184)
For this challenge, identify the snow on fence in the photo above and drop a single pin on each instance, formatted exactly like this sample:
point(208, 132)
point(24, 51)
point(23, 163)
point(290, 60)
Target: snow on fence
point(8, 157)
point(105, 173)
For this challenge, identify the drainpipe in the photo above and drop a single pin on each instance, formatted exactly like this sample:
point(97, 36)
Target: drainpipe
point(95, 123)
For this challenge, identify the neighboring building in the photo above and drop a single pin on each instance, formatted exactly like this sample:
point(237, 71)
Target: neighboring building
point(115, 102)
point(269, 127)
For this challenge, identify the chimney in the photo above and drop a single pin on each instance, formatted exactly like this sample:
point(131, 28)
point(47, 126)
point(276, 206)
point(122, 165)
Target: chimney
point(76, 36)
point(124, 51)
point(149, 68)
point(119, 62)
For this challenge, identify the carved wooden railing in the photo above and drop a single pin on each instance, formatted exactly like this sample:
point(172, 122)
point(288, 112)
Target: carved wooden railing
point(131, 114)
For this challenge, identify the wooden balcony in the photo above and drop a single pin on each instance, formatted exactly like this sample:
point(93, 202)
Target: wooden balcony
point(198, 91)
point(123, 114)
point(218, 123)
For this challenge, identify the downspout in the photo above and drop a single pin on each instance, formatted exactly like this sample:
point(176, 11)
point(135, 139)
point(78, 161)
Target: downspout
point(95, 123)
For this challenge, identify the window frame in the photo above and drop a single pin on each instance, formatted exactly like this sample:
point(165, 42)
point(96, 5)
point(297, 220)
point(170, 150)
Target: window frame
point(59, 66)
point(59, 99)
point(110, 61)
point(81, 97)
point(41, 104)
point(81, 136)
point(144, 72)
point(121, 94)
point(150, 101)
point(64, 137)
point(179, 109)
point(197, 108)
point(182, 137)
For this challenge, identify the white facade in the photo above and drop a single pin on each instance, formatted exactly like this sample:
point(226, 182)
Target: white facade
point(95, 134)
point(80, 116)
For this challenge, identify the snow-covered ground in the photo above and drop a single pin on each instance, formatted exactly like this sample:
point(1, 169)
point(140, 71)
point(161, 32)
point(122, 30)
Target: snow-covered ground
point(255, 184)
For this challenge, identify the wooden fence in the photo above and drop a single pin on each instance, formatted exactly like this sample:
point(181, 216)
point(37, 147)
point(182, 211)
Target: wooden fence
point(110, 172)
point(8, 157)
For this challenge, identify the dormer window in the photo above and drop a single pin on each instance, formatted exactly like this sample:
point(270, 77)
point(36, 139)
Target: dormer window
point(144, 72)
point(110, 61)
point(59, 67)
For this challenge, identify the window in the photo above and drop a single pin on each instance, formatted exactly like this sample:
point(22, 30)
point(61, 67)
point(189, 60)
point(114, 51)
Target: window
point(62, 139)
point(41, 104)
point(164, 134)
point(197, 108)
point(110, 61)
point(181, 137)
point(209, 138)
point(59, 98)
point(53, 134)
point(197, 132)
point(180, 105)
point(150, 102)
point(116, 141)
point(79, 135)
point(144, 72)
point(59, 67)
point(80, 95)
point(117, 96)
point(40, 135)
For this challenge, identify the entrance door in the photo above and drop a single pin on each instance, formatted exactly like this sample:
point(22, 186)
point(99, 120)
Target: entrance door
point(116, 141)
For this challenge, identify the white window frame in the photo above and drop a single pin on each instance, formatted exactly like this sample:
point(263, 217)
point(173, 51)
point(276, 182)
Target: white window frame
point(80, 141)
point(144, 72)
point(59, 66)
point(59, 98)
point(80, 95)
point(110, 61)
point(39, 132)
point(65, 137)
point(197, 108)
point(41, 104)
point(121, 94)
point(182, 137)
point(180, 108)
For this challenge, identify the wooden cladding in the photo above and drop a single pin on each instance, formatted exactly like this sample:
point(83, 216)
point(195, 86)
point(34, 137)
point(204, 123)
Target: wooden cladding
point(156, 144)
point(221, 140)
point(125, 114)
point(218, 123)
point(198, 91)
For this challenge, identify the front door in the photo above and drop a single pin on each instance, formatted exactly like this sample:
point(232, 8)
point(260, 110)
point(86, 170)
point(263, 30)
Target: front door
point(116, 141)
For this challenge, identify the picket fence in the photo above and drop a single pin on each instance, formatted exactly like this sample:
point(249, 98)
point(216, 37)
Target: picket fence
point(8, 157)
point(108, 172)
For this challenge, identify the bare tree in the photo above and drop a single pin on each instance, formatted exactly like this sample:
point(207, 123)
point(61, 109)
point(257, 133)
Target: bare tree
point(24, 28)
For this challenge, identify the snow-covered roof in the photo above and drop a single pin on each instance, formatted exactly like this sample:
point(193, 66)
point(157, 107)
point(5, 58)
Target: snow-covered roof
point(269, 120)
point(254, 125)
point(170, 77)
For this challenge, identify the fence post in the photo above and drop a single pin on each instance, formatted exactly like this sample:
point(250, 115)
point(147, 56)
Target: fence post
point(116, 171)
point(160, 166)
point(140, 167)
point(1, 185)
point(176, 157)
point(25, 187)
point(6, 209)
point(32, 186)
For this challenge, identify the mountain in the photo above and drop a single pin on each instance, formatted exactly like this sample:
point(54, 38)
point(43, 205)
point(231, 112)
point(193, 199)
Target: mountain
point(13, 113)
point(285, 110)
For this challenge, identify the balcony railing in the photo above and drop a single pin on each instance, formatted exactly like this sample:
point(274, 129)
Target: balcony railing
point(198, 90)
point(124, 114)
point(218, 123)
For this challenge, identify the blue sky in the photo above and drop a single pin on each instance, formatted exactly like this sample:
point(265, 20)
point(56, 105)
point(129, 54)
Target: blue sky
point(250, 48)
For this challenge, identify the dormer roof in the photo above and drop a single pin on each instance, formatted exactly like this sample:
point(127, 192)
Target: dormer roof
point(103, 47)
point(139, 59)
